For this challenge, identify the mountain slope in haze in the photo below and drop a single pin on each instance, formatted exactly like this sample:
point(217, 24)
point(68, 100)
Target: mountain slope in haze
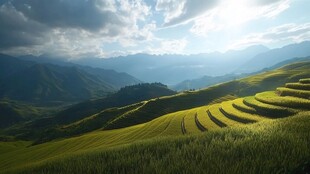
point(281, 143)
point(206, 81)
point(171, 69)
point(113, 78)
point(125, 96)
point(274, 56)
point(151, 109)
point(43, 83)
point(203, 82)
point(241, 87)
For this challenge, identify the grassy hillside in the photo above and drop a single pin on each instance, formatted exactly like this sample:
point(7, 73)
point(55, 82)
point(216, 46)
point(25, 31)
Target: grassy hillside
point(100, 111)
point(125, 96)
point(12, 112)
point(246, 86)
point(206, 81)
point(157, 107)
point(291, 133)
point(268, 147)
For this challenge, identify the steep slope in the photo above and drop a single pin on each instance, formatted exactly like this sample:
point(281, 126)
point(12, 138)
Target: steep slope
point(100, 110)
point(247, 86)
point(111, 77)
point(255, 139)
point(272, 57)
point(10, 65)
point(40, 83)
point(125, 96)
point(44, 83)
point(151, 109)
point(206, 81)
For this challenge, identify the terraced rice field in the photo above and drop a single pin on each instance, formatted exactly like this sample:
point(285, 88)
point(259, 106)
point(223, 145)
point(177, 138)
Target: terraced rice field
point(241, 111)
point(236, 112)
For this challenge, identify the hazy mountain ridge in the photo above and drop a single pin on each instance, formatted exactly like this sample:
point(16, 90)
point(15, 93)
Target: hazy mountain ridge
point(207, 81)
point(34, 82)
point(274, 56)
point(172, 69)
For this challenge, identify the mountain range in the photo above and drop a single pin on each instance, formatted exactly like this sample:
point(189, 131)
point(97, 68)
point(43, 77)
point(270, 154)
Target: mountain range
point(173, 69)
point(47, 83)
point(207, 81)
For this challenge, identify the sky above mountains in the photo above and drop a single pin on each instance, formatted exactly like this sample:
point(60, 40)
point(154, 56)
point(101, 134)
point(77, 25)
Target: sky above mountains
point(107, 28)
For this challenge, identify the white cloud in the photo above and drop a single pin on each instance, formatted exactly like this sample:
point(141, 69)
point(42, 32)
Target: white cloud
point(230, 14)
point(79, 29)
point(182, 11)
point(284, 33)
point(169, 46)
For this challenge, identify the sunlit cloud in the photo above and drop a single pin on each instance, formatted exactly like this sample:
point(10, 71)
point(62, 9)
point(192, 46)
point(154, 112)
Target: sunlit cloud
point(101, 28)
point(289, 32)
point(230, 14)
point(79, 28)
point(182, 11)
point(166, 46)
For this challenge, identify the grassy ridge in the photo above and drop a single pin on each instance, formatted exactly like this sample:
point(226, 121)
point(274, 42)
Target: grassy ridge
point(294, 92)
point(287, 140)
point(298, 86)
point(177, 123)
point(164, 105)
point(305, 81)
point(243, 87)
point(273, 146)
point(271, 97)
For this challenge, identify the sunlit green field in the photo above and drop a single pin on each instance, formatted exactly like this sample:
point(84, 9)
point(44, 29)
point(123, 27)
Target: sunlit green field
point(271, 146)
point(236, 116)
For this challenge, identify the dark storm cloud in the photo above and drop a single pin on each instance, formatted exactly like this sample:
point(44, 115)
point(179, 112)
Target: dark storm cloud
point(16, 30)
point(85, 14)
point(30, 22)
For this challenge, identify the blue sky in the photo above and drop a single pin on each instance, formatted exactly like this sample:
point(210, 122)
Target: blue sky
point(107, 28)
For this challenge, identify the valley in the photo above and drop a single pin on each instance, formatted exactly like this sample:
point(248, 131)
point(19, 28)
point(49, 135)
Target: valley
point(237, 116)
point(154, 87)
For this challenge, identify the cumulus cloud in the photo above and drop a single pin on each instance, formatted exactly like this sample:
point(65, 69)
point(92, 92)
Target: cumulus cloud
point(181, 11)
point(288, 32)
point(70, 27)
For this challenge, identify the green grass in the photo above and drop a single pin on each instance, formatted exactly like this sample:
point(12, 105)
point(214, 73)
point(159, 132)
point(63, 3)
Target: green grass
point(215, 94)
point(270, 97)
point(268, 109)
point(305, 81)
point(168, 128)
point(189, 122)
point(215, 112)
point(204, 119)
point(228, 108)
point(13, 145)
point(293, 92)
point(298, 86)
point(239, 104)
point(155, 108)
point(271, 146)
